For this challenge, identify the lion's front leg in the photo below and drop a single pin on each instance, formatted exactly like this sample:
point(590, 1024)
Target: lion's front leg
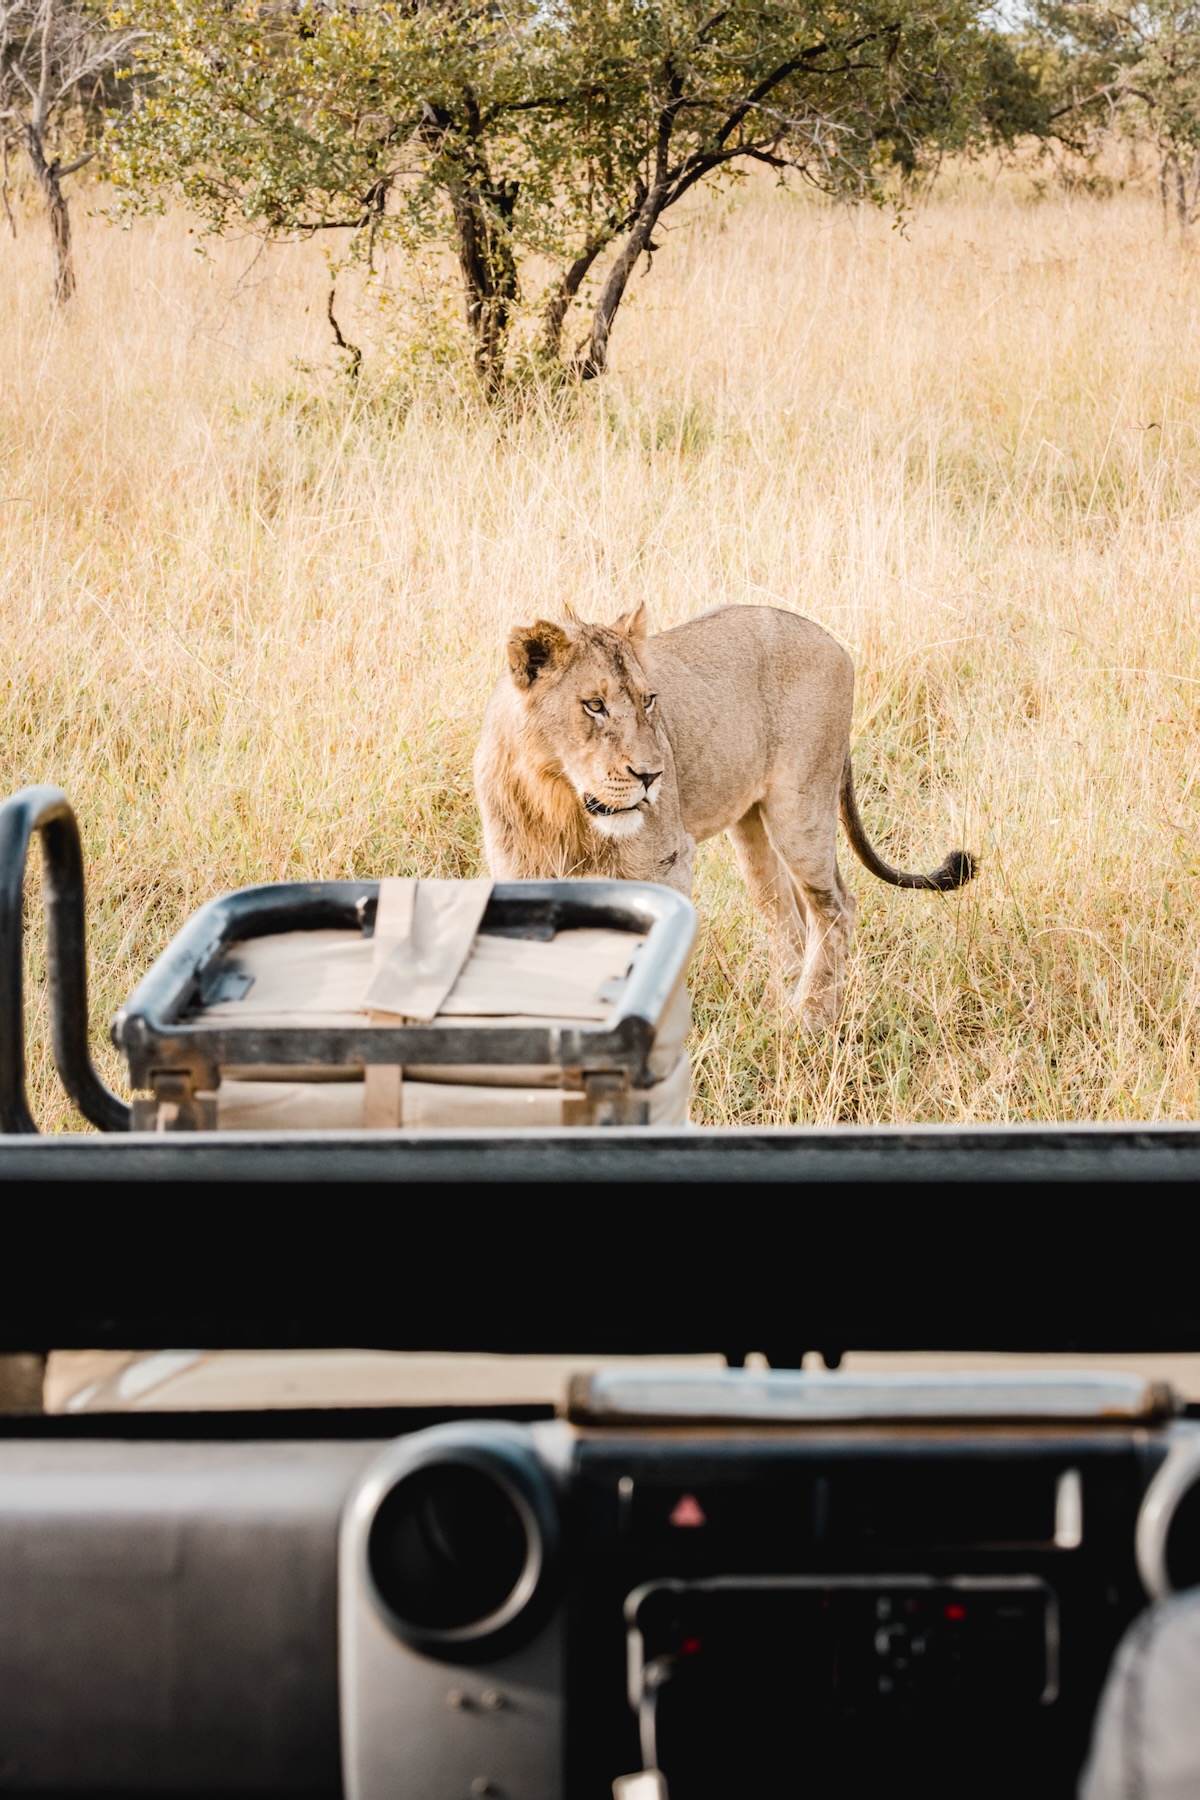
point(655, 854)
point(675, 865)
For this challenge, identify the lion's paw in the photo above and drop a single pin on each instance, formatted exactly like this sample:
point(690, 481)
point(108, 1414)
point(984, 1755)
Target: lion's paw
point(815, 1014)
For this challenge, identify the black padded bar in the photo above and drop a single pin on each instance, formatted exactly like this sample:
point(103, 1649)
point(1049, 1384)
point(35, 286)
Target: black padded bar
point(940, 1158)
point(616, 1240)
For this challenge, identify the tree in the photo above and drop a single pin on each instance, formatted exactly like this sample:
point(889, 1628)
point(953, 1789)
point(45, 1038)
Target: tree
point(670, 96)
point(559, 128)
point(57, 62)
point(1137, 66)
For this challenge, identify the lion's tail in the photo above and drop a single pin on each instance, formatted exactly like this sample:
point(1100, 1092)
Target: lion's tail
point(954, 871)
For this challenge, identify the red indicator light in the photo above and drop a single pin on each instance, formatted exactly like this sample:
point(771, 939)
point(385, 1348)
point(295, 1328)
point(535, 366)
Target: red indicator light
point(687, 1513)
point(955, 1612)
point(690, 1647)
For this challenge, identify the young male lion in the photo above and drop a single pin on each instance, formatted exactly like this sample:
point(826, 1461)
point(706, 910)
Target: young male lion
point(610, 752)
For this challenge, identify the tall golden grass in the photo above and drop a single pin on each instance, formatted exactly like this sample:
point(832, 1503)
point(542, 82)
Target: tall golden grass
point(250, 624)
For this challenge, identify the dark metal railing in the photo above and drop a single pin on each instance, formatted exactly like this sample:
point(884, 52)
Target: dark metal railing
point(47, 811)
point(158, 1028)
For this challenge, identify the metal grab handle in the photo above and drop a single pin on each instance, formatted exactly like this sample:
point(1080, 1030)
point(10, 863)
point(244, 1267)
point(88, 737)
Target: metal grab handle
point(48, 811)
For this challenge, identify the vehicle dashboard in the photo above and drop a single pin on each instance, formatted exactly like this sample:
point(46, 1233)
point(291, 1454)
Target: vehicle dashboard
point(755, 1582)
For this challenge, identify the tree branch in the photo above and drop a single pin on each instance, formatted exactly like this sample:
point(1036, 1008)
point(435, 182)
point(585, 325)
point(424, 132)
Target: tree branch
point(793, 67)
point(711, 23)
point(690, 173)
point(1101, 93)
point(516, 106)
point(352, 350)
point(43, 93)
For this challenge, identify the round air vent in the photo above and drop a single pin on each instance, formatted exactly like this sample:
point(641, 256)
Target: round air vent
point(1168, 1528)
point(461, 1549)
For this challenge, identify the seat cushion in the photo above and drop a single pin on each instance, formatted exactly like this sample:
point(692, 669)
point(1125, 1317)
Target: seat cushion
point(1146, 1739)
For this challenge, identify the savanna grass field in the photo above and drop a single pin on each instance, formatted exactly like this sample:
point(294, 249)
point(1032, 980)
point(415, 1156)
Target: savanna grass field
point(251, 613)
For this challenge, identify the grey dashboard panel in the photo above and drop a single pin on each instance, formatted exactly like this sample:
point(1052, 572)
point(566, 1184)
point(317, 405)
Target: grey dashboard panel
point(420, 1722)
point(179, 1616)
point(168, 1614)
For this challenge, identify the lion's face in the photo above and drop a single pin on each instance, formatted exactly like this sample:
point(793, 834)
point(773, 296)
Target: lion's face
point(590, 714)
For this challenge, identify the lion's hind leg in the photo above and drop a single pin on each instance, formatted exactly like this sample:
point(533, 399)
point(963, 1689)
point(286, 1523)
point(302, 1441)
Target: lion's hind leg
point(804, 837)
point(771, 890)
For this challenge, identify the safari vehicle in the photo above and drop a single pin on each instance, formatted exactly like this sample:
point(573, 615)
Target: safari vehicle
point(665, 1463)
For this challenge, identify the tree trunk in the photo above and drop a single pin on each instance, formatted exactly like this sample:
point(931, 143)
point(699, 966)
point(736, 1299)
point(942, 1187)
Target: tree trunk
point(594, 360)
point(46, 175)
point(482, 210)
point(8, 211)
point(559, 301)
point(1164, 188)
point(60, 237)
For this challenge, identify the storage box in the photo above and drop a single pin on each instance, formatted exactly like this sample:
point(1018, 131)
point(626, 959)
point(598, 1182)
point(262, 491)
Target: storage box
point(417, 1005)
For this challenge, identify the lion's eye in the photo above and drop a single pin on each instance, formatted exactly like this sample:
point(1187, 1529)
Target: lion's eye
point(595, 707)
point(650, 699)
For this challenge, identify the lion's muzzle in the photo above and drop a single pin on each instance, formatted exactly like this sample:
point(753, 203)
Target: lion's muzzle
point(617, 821)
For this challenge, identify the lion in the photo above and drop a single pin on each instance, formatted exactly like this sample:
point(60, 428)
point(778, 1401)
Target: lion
point(609, 751)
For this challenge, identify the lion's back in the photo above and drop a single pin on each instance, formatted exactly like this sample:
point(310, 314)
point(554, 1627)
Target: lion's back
point(749, 668)
point(748, 641)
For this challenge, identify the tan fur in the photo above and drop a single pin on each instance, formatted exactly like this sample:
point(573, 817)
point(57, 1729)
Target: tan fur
point(738, 722)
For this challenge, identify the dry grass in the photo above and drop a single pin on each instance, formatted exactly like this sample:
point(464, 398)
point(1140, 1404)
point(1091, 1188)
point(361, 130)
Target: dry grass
point(250, 628)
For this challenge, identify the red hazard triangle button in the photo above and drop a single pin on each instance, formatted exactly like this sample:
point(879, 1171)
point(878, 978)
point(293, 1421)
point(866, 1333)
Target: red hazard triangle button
point(687, 1511)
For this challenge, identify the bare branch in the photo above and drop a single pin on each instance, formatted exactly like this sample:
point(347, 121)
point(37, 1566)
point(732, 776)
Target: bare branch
point(24, 80)
point(41, 104)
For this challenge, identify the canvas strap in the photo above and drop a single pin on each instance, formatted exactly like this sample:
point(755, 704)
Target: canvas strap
point(424, 931)
point(383, 1083)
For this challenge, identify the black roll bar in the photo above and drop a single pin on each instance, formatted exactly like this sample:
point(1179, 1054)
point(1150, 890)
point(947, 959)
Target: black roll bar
point(48, 811)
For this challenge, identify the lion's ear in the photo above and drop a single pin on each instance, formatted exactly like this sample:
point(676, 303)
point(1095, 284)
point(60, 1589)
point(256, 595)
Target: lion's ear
point(633, 624)
point(533, 648)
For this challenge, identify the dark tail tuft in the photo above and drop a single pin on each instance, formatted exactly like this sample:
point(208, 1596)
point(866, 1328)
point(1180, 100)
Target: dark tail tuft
point(955, 871)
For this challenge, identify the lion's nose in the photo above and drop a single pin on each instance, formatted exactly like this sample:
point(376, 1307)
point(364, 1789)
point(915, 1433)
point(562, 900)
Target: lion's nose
point(647, 777)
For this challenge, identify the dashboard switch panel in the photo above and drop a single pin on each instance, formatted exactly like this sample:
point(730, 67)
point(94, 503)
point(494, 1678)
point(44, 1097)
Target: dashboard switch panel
point(887, 1642)
point(727, 1675)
